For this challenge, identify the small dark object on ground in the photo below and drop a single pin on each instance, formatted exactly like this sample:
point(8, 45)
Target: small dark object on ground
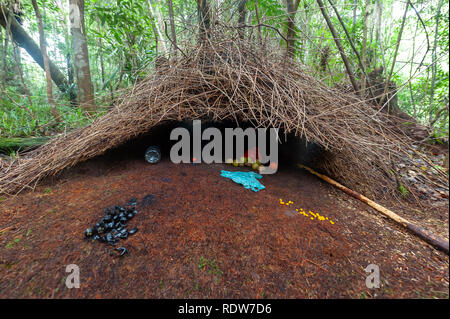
point(147, 200)
point(133, 231)
point(132, 202)
point(112, 227)
point(153, 154)
point(88, 232)
point(122, 251)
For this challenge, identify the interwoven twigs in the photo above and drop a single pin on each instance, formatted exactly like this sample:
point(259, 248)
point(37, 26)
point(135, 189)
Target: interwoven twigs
point(233, 80)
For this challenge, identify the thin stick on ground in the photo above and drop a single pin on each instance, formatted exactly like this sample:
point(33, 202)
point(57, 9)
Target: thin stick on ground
point(425, 234)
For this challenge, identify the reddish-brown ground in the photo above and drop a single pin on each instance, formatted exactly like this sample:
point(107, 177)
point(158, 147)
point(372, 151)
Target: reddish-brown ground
point(205, 236)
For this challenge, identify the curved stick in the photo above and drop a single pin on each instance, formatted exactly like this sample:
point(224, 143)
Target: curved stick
point(423, 233)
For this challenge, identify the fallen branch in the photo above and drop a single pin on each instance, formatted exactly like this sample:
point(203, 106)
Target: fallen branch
point(6, 229)
point(428, 236)
point(21, 143)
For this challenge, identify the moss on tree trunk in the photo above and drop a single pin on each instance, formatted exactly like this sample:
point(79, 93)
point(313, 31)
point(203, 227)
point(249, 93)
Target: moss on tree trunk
point(20, 143)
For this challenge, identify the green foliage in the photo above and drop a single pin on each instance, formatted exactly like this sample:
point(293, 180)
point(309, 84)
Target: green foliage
point(16, 120)
point(124, 37)
point(403, 191)
point(211, 266)
point(12, 243)
point(127, 31)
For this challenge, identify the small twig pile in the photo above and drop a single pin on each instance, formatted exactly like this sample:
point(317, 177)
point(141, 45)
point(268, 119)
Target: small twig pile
point(230, 79)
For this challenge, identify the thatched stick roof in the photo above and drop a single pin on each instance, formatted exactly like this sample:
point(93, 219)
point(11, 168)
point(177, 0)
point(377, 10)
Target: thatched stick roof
point(233, 80)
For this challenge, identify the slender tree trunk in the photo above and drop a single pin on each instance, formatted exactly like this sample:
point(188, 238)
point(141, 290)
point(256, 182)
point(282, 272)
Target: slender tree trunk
point(370, 51)
point(339, 45)
point(68, 58)
point(122, 72)
point(292, 7)
point(3, 71)
point(360, 63)
point(259, 23)
point(307, 32)
point(411, 92)
point(241, 17)
point(157, 26)
point(204, 19)
point(364, 44)
point(21, 37)
point(172, 27)
point(46, 63)
point(20, 73)
point(185, 10)
point(100, 53)
point(5, 53)
point(154, 28)
point(70, 79)
point(394, 58)
point(16, 52)
point(81, 56)
point(379, 10)
point(433, 56)
point(18, 58)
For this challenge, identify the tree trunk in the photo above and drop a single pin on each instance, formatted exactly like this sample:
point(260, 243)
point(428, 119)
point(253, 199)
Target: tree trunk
point(433, 56)
point(100, 54)
point(204, 19)
point(339, 45)
point(81, 56)
point(3, 71)
point(259, 23)
point(172, 27)
point(158, 17)
point(349, 38)
point(21, 37)
point(67, 41)
point(154, 28)
point(394, 59)
point(46, 63)
point(241, 17)
point(72, 94)
point(292, 6)
point(379, 9)
point(16, 54)
point(364, 44)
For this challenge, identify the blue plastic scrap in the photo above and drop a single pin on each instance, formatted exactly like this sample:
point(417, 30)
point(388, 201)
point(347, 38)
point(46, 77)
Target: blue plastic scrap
point(247, 179)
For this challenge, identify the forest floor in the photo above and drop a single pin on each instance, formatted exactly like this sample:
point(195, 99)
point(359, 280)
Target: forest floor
point(205, 236)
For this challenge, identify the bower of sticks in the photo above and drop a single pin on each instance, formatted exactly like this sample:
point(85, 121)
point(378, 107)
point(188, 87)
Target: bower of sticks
point(241, 81)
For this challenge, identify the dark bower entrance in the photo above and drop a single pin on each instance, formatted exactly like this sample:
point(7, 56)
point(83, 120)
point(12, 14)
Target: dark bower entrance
point(291, 149)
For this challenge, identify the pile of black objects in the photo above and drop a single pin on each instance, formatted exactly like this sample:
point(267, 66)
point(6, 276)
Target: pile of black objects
point(112, 227)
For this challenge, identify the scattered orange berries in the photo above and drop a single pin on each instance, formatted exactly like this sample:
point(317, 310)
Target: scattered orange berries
point(310, 214)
